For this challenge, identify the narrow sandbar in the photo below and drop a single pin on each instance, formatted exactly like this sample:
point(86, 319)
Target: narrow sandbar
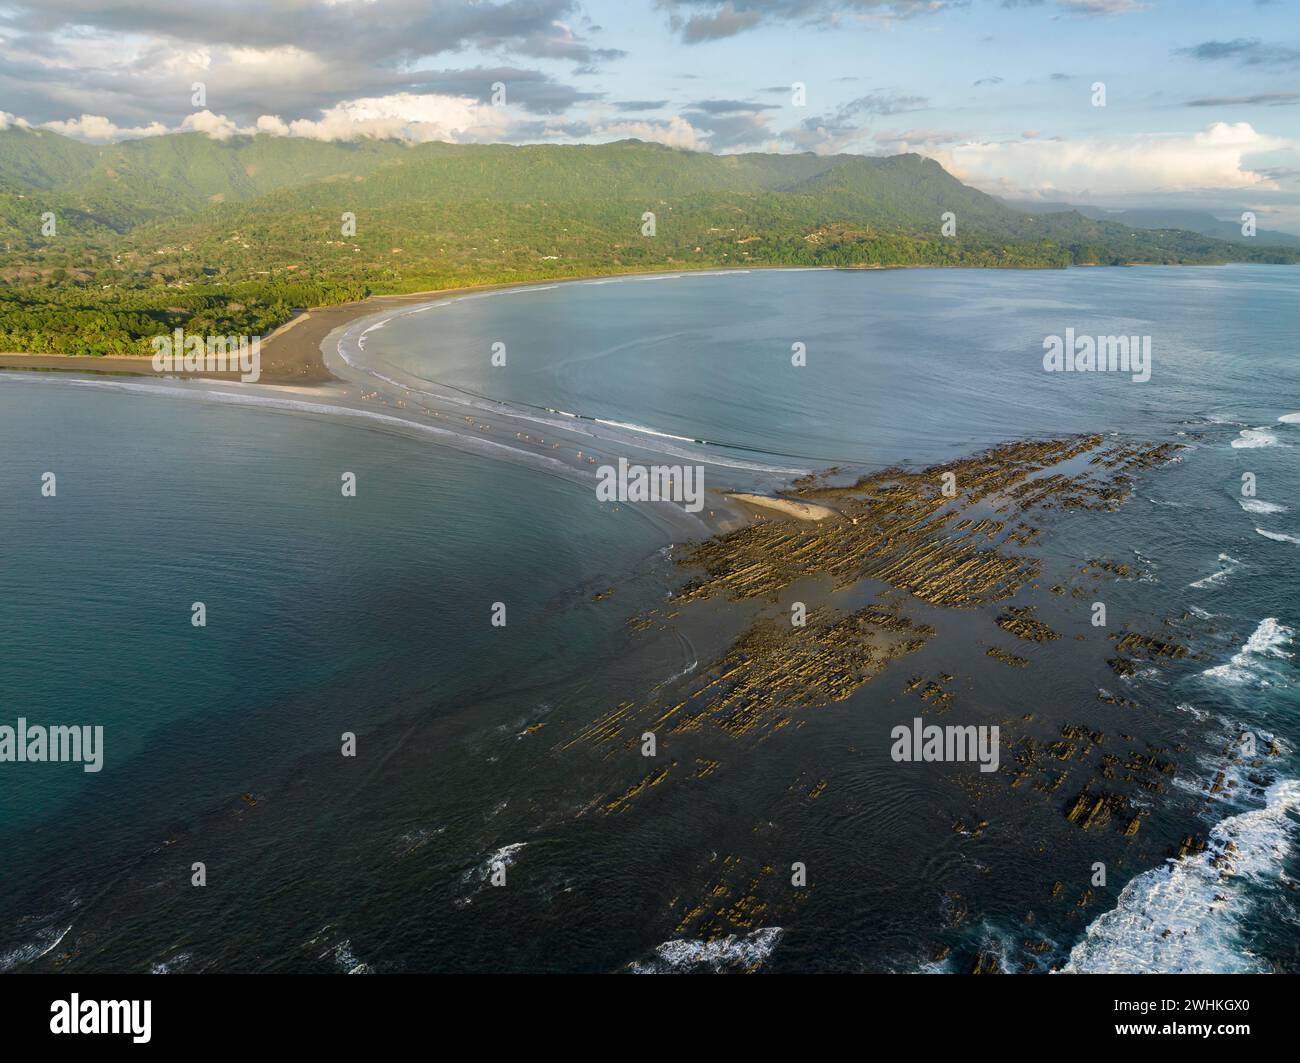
point(798, 510)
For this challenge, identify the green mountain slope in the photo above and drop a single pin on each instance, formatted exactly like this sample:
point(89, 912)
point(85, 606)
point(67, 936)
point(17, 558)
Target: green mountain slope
point(138, 180)
point(238, 232)
point(40, 160)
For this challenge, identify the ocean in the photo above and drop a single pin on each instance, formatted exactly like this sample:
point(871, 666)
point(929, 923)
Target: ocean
point(513, 752)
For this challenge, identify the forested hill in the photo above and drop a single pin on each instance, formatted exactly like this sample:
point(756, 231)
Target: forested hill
point(232, 235)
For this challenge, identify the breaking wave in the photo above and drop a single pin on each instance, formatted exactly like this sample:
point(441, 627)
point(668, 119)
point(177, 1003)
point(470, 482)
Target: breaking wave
point(46, 941)
point(1258, 505)
point(731, 953)
point(1187, 917)
point(1258, 660)
point(1278, 537)
point(1251, 438)
point(1231, 564)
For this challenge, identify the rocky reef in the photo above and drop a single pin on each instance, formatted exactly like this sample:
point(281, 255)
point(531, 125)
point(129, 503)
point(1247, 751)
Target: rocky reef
point(963, 536)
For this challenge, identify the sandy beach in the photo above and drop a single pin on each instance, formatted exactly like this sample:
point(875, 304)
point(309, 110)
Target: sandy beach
point(798, 510)
point(293, 360)
point(290, 354)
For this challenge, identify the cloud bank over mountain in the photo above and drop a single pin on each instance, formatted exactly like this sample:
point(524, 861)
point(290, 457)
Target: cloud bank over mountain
point(939, 77)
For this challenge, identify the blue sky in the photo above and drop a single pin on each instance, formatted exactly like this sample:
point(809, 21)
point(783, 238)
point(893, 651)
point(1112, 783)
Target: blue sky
point(1202, 98)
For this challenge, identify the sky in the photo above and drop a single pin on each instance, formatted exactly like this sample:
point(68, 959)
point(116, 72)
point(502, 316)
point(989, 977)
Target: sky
point(1201, 97)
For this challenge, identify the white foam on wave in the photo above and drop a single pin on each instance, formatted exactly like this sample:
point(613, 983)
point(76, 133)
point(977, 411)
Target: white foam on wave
point(1146, 567)
point(1205, 715)
point(1231, 564)
point(479, 875)
point(642, 428)
point(46, 941)
point(682, 955)
point(1258, 505)
point(346, 959)
point(177, 963)
point(505, 856)
point(695, 663)
point(1278, 537)
point(1251, 438)
point(1230, 759)
point(1256, 661)
point(1187, 917)
point(1290, 418)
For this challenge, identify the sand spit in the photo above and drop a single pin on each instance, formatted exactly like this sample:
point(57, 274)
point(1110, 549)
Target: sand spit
point(798, 510)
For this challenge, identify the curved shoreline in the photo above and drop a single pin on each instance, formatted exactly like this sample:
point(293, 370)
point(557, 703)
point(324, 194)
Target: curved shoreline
point(292, 353)
point(848, 544)
point(581, 443)
point(296, 359)
point(338, 384)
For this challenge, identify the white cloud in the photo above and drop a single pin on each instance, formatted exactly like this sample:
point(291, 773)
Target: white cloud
point(1213, 159)
point(184, 61)
point(406, 116)
point(922, 141)
point(248, 67)
point(403, 116)
point(270, 123)
point(217, 126)
point(676, 133)
point(97, 128)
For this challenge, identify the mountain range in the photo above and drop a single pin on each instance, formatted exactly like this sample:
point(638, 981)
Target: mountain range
point(233, 235)
point(1196, 221)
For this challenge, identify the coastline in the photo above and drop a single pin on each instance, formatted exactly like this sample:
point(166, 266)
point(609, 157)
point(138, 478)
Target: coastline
point(303, 371)
point(292, 355)
point(915, 603)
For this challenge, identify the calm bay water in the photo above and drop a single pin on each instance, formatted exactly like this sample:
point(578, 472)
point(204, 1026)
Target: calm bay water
point(371, 615)
point(903, 365)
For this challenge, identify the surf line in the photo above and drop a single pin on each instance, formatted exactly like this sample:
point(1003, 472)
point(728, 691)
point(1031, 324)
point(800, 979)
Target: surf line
point(506, 406)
